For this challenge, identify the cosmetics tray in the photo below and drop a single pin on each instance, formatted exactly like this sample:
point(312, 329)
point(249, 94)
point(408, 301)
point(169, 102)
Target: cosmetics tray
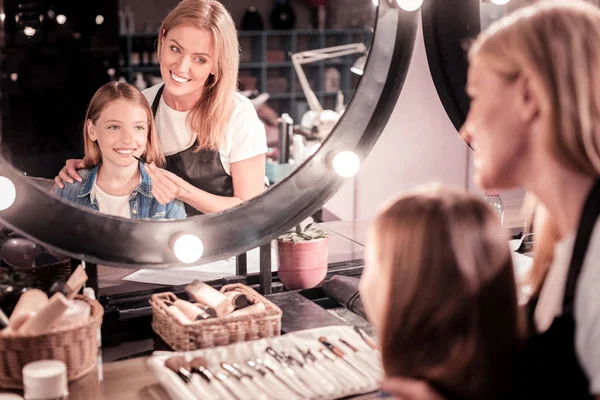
point(326, 376)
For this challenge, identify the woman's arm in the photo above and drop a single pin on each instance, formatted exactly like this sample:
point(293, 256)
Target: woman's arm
point(248, 181)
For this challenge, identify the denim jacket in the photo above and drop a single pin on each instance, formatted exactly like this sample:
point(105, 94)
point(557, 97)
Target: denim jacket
point(141, 202)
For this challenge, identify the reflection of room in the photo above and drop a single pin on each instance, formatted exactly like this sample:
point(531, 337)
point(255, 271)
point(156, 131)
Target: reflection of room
point(267, 74)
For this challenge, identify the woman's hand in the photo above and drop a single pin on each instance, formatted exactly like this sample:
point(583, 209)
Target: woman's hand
point(69, 172)
point(166, 186)
point(409, 389)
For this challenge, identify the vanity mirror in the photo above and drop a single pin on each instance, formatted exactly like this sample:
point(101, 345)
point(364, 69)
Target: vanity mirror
point(97, 238)
point(447, 27)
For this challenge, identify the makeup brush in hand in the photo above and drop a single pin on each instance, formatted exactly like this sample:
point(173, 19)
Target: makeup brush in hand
point(146, 164)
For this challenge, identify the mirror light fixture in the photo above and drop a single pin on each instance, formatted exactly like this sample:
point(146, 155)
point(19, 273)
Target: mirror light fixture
point(99, 19)
point(8, 193)
point(345, 163)
point(500, 2)
point(409, 5)
point(188, 248)
point(61, 19)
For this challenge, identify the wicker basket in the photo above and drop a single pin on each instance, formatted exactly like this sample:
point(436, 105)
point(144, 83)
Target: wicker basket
point(77, 347)
point(215, 331)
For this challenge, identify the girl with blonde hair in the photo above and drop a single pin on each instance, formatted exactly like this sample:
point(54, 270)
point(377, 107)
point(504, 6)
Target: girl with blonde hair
point(439, 287)
point(213, 140)
point(118, 127)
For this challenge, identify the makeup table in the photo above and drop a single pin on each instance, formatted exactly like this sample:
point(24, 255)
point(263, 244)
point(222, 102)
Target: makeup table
point(126, 374)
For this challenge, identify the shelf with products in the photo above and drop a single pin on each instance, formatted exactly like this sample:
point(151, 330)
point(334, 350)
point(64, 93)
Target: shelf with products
point(265, 64)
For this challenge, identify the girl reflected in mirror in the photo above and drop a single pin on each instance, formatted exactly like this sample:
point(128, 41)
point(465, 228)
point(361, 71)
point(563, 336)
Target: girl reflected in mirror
point(213, 140)
point(439, 287)
point(118, 126)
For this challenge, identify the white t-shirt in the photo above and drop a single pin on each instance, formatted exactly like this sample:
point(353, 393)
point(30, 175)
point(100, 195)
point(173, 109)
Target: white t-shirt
point(112, 205)
point(587, 302)
point(245, 136)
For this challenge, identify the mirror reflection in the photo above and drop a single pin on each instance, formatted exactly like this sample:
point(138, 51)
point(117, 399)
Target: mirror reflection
point(234, 96)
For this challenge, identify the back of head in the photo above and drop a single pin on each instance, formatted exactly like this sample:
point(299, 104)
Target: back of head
point(558, 44)
point(106, 95)
point(452, 315)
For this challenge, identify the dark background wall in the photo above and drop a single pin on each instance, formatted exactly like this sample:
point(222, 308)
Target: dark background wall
point(342, 13)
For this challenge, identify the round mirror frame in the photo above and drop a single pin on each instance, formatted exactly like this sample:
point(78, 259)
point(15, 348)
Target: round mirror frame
point(447, 26)
point(107, 240)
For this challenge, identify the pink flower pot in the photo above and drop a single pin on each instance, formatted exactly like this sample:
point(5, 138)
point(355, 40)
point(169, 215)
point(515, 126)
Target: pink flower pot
point(302, 265)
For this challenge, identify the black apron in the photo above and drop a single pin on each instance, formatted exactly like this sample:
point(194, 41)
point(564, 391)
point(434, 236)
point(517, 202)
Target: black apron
point(203, 169)
point(548, 367)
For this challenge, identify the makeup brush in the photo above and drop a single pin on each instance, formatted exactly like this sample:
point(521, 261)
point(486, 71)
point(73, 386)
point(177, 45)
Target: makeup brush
point(371, 364)
point(146, 164)
point(180, 366)
point(366, 338)
point(340, 354)
point(200, 366)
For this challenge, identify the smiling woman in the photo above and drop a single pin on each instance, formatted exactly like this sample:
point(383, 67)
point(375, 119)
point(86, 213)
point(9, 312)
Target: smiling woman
point(214, 143)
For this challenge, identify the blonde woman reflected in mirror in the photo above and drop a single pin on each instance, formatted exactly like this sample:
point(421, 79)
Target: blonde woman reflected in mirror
point(212, 138)
point(439, 287)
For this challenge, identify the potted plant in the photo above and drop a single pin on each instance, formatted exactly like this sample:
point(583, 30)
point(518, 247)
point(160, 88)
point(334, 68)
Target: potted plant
point(302, 254)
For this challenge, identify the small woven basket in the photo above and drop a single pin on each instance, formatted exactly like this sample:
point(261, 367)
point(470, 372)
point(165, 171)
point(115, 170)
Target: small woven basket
point(215, 331)
point(76, 346)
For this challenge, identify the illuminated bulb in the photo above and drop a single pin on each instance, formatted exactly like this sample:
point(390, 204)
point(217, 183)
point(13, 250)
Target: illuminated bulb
point(99, 19)
point(29, 31)
point(346, 164)
point(61, 19)
point(500, 2)
point(14, 76)
point(410, 5)
point(8, 193)
point(2, 17)
point(188, 248)
point(375, 2)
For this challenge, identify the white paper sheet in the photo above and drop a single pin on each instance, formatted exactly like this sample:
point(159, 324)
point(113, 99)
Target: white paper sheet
point(206, 272)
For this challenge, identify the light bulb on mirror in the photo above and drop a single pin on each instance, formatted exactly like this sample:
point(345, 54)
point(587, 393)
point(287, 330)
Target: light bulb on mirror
point(188, 248)
point(500, 2)
point(8, 193)
point(61, 19)
point(345, 163)
point(410, 5)
point(375, 2)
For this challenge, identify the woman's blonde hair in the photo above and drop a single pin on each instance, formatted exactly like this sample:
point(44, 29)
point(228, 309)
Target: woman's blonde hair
point(103, 97)
point(452, 315)
point(211, 114)
point(558, 43)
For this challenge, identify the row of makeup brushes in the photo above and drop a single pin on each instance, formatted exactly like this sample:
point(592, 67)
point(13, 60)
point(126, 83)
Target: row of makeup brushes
point(335, 368)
